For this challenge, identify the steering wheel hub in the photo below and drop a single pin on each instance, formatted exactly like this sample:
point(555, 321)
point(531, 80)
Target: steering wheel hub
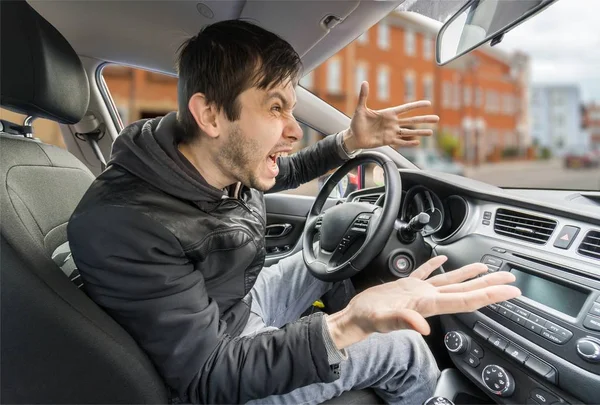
point(342, 241)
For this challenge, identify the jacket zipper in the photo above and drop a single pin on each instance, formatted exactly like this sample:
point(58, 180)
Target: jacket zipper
point(249, 209)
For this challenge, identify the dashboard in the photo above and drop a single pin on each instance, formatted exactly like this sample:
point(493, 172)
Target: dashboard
point(544, 346)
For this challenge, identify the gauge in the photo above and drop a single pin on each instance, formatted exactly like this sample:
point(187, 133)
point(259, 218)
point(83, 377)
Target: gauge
point(420, 199)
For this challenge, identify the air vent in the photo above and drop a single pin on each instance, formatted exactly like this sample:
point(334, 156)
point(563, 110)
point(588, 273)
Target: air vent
point(522, 226)
point(370, 198)
point(591, 245)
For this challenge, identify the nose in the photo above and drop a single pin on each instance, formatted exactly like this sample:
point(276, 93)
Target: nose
point(292, 131)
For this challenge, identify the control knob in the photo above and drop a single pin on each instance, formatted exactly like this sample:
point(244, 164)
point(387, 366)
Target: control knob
point(438, 401)
point(498, 380)
point(588, 348)
point(456, 342)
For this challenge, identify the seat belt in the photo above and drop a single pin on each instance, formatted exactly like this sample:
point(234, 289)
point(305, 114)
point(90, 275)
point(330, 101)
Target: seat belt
point(90, 130)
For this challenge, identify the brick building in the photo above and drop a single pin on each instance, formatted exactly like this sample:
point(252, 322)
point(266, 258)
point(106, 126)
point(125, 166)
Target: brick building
point(591, 124)
point(481, 98)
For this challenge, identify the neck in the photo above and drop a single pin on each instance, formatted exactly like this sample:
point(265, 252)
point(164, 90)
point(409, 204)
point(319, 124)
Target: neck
point(203, 160)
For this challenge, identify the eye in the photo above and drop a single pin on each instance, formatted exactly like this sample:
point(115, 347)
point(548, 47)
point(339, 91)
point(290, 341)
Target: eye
point(276, 108)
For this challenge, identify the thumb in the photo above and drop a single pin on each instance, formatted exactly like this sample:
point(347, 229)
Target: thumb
point(362, 96)
point(410, 319)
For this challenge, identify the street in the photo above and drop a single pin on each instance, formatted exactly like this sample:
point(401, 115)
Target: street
point(545, 174)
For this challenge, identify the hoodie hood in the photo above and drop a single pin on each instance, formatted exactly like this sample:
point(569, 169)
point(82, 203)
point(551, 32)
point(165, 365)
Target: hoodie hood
point(147, 149)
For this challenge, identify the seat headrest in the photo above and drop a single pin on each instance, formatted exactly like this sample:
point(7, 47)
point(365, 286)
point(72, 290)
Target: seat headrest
point(41, 75)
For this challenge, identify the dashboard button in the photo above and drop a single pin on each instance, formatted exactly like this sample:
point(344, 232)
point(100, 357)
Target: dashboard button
point(485, 222)
point(553, 337)
point(487, 215)
point(494, 261)
point(476, 350)
point(592, 322)
point(492, 269)
point(494, 307)
point(499, 250)
point(518, 319)
point(497, 341)
point(504, 312)
point(538, 366)
point(522, 312)
point(481, 331)
point(534, 327)
point(471, 360)
point(516, 353)
point(536, 319)
point(595, 310)
point(508, 305)
point(562, 333)
point(542, 397)
point(566, 237)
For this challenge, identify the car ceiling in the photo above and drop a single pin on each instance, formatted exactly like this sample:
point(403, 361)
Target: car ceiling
point(148, 33)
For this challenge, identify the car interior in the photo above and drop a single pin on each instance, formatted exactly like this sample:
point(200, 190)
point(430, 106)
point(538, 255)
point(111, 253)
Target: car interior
point(57, 346)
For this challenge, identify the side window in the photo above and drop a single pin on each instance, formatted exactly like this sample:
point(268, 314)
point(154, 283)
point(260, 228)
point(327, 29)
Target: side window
point(45, 130)
point(139, 94)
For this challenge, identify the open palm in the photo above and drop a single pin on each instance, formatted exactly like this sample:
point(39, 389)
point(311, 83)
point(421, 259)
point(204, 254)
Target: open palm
point(406, 303)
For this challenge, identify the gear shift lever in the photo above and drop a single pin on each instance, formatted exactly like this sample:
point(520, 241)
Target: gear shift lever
point(408, 232)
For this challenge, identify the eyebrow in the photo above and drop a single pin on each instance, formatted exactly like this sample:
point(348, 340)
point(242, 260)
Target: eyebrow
point(278, 94)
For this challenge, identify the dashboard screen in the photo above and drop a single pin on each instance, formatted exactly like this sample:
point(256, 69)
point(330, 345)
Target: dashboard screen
point(557, 296)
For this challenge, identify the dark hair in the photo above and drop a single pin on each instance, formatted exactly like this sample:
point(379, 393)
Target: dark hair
point(225, 59)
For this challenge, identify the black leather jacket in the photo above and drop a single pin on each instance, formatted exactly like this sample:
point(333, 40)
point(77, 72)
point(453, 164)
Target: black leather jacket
point(172, 258)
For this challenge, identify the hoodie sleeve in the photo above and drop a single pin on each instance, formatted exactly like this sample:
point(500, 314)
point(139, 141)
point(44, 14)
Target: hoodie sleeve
point(136, 270)
point(310, 163)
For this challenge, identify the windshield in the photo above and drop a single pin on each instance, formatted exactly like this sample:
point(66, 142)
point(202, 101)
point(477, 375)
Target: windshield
point(510, 115)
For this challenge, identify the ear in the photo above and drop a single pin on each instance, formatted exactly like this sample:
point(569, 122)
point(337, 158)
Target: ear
point(205, 115)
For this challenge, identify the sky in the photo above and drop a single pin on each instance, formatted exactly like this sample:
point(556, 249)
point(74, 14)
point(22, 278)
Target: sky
point(563, 42)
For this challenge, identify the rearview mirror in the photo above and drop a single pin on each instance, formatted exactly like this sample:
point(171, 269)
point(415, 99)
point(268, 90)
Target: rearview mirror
point(479, 21)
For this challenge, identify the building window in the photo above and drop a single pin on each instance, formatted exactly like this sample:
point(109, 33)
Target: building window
point(334, 76)
point(361, 75)
point(467, 96)
point(491, 102)
point(507, 104)
point(409, 42)
point(456, 96)
point(364, 38)
point(428, 89)
point(409, 87)
point(307, 81)
point(427, 48)
point(383, 36)
point(446, 94)
point(479, 97)
point(383, 83)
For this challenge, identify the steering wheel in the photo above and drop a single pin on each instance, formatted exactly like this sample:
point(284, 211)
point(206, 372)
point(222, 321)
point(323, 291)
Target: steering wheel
point(352, 234)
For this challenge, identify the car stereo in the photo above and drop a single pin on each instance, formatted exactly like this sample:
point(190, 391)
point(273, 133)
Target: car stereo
point(566, 299)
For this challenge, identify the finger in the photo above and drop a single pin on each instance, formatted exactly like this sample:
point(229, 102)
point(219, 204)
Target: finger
point(421, 119)
point(401, 109)
point(428, 267)
point(363, 95)
point(405, 143)
point(454, 303)
point(403, 132)
point(410, 319)
point(499, 278)
point(459, 275)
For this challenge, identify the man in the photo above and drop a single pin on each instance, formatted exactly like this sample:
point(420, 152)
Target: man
point(170, 241)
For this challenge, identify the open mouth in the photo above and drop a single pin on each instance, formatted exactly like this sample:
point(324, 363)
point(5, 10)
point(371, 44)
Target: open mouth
point(272, 162)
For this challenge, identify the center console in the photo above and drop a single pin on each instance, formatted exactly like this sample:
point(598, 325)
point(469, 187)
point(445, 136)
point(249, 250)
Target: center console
point(541, 348)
